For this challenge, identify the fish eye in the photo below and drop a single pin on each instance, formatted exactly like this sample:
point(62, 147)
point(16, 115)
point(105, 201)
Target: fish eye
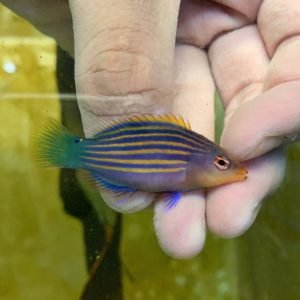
point(221, 162)
point(77, 141)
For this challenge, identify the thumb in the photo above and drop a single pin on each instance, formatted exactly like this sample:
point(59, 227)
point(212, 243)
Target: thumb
point(124, 54)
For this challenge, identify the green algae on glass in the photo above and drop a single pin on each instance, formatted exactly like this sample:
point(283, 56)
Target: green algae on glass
point(269, 253)
point(41, 249)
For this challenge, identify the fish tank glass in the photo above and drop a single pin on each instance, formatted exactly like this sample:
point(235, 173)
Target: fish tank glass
point(59, 240)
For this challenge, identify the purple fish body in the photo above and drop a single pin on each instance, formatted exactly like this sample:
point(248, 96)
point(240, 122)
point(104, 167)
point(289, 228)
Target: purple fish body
point(147, 153)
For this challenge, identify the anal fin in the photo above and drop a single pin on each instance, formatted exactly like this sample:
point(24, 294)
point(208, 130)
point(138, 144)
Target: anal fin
point(104, 184)
point(121, 198)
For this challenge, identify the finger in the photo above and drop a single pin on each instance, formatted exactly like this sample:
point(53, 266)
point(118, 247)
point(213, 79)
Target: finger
point(232, 208)
point(181, 230)
point(243, 7)
point(265, 122)
point(276, 113)
point(201, 21)
point(278, 21)
point(124, 52)
point(194, 89)
point(239, 63)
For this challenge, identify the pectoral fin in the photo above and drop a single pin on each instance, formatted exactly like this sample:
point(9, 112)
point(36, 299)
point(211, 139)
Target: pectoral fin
point(172, 199)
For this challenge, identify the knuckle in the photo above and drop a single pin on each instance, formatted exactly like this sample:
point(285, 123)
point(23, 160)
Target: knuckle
point(120, 65)
point(278, 20)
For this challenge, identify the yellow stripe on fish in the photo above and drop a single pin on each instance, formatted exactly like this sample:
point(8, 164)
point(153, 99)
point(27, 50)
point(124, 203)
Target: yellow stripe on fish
point(139, 170)
point(137, 161)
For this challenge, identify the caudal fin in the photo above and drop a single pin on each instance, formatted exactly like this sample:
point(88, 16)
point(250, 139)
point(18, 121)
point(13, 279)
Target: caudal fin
point(56, 146)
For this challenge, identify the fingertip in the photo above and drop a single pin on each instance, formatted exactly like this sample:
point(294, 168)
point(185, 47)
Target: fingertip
point(181, 230)
point(234, 221)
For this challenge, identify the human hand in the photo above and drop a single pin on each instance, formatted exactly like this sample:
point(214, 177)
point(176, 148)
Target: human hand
point(126, 57)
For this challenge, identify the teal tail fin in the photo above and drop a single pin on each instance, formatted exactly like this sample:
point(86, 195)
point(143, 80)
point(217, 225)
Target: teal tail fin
point(57, 146)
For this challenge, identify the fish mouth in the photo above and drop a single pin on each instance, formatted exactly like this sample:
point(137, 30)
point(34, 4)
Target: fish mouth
point(242, 174)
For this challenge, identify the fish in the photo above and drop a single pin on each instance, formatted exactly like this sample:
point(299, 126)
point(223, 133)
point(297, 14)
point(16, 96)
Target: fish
point(148, 153)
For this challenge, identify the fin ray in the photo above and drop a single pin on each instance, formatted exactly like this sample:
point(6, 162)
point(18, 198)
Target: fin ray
point(103, 184)
point(165, 118)
point(172, 199)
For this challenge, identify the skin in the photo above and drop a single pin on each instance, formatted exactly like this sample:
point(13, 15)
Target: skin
point(125, 55)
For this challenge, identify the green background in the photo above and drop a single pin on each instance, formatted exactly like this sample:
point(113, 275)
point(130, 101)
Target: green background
point(42, 251)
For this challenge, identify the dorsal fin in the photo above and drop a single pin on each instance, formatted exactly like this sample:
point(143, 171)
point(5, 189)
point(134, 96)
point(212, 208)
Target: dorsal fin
point(166, 118)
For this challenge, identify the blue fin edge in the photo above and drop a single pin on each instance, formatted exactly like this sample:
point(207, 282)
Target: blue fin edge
point(172, 199)
point(107, 185)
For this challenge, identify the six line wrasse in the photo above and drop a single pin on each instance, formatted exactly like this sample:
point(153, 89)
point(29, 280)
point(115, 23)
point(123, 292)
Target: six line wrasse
point(143, 153)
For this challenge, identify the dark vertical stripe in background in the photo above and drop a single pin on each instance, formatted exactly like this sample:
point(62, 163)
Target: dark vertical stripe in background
point(105, 270)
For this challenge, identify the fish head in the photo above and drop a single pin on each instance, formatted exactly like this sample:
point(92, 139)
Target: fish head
point(215, 168)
